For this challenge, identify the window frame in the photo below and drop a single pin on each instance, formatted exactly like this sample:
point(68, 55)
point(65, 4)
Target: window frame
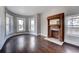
point(30, 24)
point(18, 18)
point(10, 24)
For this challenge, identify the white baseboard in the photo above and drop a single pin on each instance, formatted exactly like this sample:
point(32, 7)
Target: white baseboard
point(24, 33)
point(72, 42)
point(15, 34)
point(33, 33)
point(20, 33)
point(43, 35)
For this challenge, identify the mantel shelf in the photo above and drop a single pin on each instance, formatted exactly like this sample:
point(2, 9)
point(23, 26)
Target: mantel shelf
point(55, 29)
point(54, 25)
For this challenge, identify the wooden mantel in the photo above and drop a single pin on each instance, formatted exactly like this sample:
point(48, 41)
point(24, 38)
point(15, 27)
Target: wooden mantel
point(56, 34)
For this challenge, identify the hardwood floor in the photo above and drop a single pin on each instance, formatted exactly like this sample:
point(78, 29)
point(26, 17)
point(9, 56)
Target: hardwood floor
point(35, 44)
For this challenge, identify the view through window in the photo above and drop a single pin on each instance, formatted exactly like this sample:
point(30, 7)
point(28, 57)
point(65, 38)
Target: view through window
point(32, 25)
point(20, 24)
point(73, 22)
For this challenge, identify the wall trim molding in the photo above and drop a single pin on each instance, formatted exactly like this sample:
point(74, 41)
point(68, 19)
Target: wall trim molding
point(43, 35)
point(33, 33)
point(15, 34)
point(72, 43)
point(19, 33)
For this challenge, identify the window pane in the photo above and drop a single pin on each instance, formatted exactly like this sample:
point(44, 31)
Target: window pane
point(70, 22)
point(20, 22)
point(73, 26)
point(9, 24)
point(75, 21)
point(32, 25)
point(20, 25)
point(7, 20)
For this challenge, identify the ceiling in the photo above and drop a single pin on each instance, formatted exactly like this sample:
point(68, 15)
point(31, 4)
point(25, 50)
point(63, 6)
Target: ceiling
point(31, 10)
point(28, 10)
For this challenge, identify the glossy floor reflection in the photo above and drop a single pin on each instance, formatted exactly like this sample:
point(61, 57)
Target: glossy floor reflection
point(35, 44)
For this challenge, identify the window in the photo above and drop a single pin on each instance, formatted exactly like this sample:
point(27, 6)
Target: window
point(73, 22)
point(20, 24)
point(73, 26)
point(32, 25)
point(70, 22)
point(76, 22)
point(9, 24)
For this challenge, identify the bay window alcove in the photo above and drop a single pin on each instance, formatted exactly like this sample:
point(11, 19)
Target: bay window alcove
point(18, 24)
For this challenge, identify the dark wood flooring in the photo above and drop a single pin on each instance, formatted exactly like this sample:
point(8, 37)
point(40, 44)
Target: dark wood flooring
point(35, 44)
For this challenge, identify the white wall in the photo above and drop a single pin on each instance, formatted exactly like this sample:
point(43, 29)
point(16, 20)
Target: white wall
point(2, 26)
